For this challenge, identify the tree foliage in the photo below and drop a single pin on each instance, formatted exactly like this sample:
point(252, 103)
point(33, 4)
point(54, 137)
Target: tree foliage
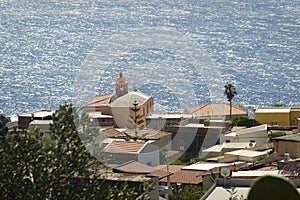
point(244, 121)
point(56, 166)
point(273, 187)
point(230, 92)
point(189, 192)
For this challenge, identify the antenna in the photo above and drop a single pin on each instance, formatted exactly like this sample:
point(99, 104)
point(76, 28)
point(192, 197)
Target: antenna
point(225, 172)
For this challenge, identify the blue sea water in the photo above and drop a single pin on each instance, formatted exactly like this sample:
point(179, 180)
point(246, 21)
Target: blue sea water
point(181, 52)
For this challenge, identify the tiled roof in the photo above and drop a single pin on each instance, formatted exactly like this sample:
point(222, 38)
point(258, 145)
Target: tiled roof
point(216, 110)
point(113, 133)
point(134, 167)
point(99, 100)
point(180, 175)
point(148, 134)
point(124, 147)
point(139, 168)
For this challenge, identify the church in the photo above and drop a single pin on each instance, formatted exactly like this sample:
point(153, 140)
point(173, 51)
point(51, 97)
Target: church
point(115, 109)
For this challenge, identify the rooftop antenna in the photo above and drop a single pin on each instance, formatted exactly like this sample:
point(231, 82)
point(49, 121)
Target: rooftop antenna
point(225, 173)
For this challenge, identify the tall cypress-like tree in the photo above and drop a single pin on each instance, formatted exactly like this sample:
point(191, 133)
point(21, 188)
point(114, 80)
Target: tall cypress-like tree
point(136, 120)
point(230, 92)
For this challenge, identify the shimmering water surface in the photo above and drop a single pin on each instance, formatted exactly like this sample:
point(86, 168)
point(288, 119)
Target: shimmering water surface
point(181, 52)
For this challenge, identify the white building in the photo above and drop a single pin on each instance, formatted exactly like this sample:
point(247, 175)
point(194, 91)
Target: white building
point(118, 152)
point(257, 135)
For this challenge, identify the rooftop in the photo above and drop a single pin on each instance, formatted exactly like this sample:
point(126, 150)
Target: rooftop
point(292, 137)
point(124, 147)
point(231, 145)
point(170, 115)
point(244, 152)
point(180, 175)
point(272, 110)
point(216, 110)
point(38, 114)
point(128, 99)
point(205, 166)
point(99, 100)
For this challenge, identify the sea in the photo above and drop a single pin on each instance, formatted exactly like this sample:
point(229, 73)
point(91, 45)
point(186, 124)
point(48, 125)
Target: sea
point(181, 52)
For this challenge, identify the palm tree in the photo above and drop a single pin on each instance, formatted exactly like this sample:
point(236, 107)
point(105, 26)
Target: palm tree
point(229, 92)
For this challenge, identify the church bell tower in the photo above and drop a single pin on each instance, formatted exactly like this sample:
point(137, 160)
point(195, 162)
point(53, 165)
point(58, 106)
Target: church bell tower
point(121, 85)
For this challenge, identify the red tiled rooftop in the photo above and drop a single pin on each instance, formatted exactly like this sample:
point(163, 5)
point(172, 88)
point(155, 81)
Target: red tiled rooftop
point(113, 133)
point(216, 110)
point(148, 134)
point(135, 167)
point(139, 168)
point(180, 175)
point(124, 147)
point(99, 100)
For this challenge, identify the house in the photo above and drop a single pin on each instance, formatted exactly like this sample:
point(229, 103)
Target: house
point(100, 119)
point(217, 110)
point(288, 144)
point(26, 118)
point(257, 135)
point(159, 121)
point(277, 116)
point(119, 151)
point(210, 171)
point(244, 155)
point(159, 138)
point(42, 125)
point(220, 149)
point(119, 105)
point(190, 139)
point(110, 176)
point(180, 176)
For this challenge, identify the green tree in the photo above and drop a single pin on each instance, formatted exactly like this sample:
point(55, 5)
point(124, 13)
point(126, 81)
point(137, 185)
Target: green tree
point(189, 192)
point(273, 187)
point(244, 121)
point(230, 92)
point(3, 126)
point(57, 167)
point(135, 120)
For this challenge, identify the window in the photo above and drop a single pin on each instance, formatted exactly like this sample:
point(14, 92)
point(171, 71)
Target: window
point(227, 141)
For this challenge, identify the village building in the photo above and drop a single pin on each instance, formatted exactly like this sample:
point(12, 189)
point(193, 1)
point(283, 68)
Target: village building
point(257, 135)
point(277, 116)
point(119, 105)
point(288, 144)
point(159, 138)
point(217, 111)
point(220, 149)
point(120, 151)
point(25, 118)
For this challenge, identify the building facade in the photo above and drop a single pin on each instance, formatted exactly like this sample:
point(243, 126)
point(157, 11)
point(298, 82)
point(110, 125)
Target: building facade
point(277, 116)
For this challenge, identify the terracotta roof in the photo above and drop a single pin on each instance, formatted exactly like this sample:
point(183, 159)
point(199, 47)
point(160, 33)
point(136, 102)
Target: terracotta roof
point(99, 100)
point(113, 133)
point(134, 167)
point(139, 168)
point(148, 134)
point(180, 175)
point(124, 147)
point(216, 110)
